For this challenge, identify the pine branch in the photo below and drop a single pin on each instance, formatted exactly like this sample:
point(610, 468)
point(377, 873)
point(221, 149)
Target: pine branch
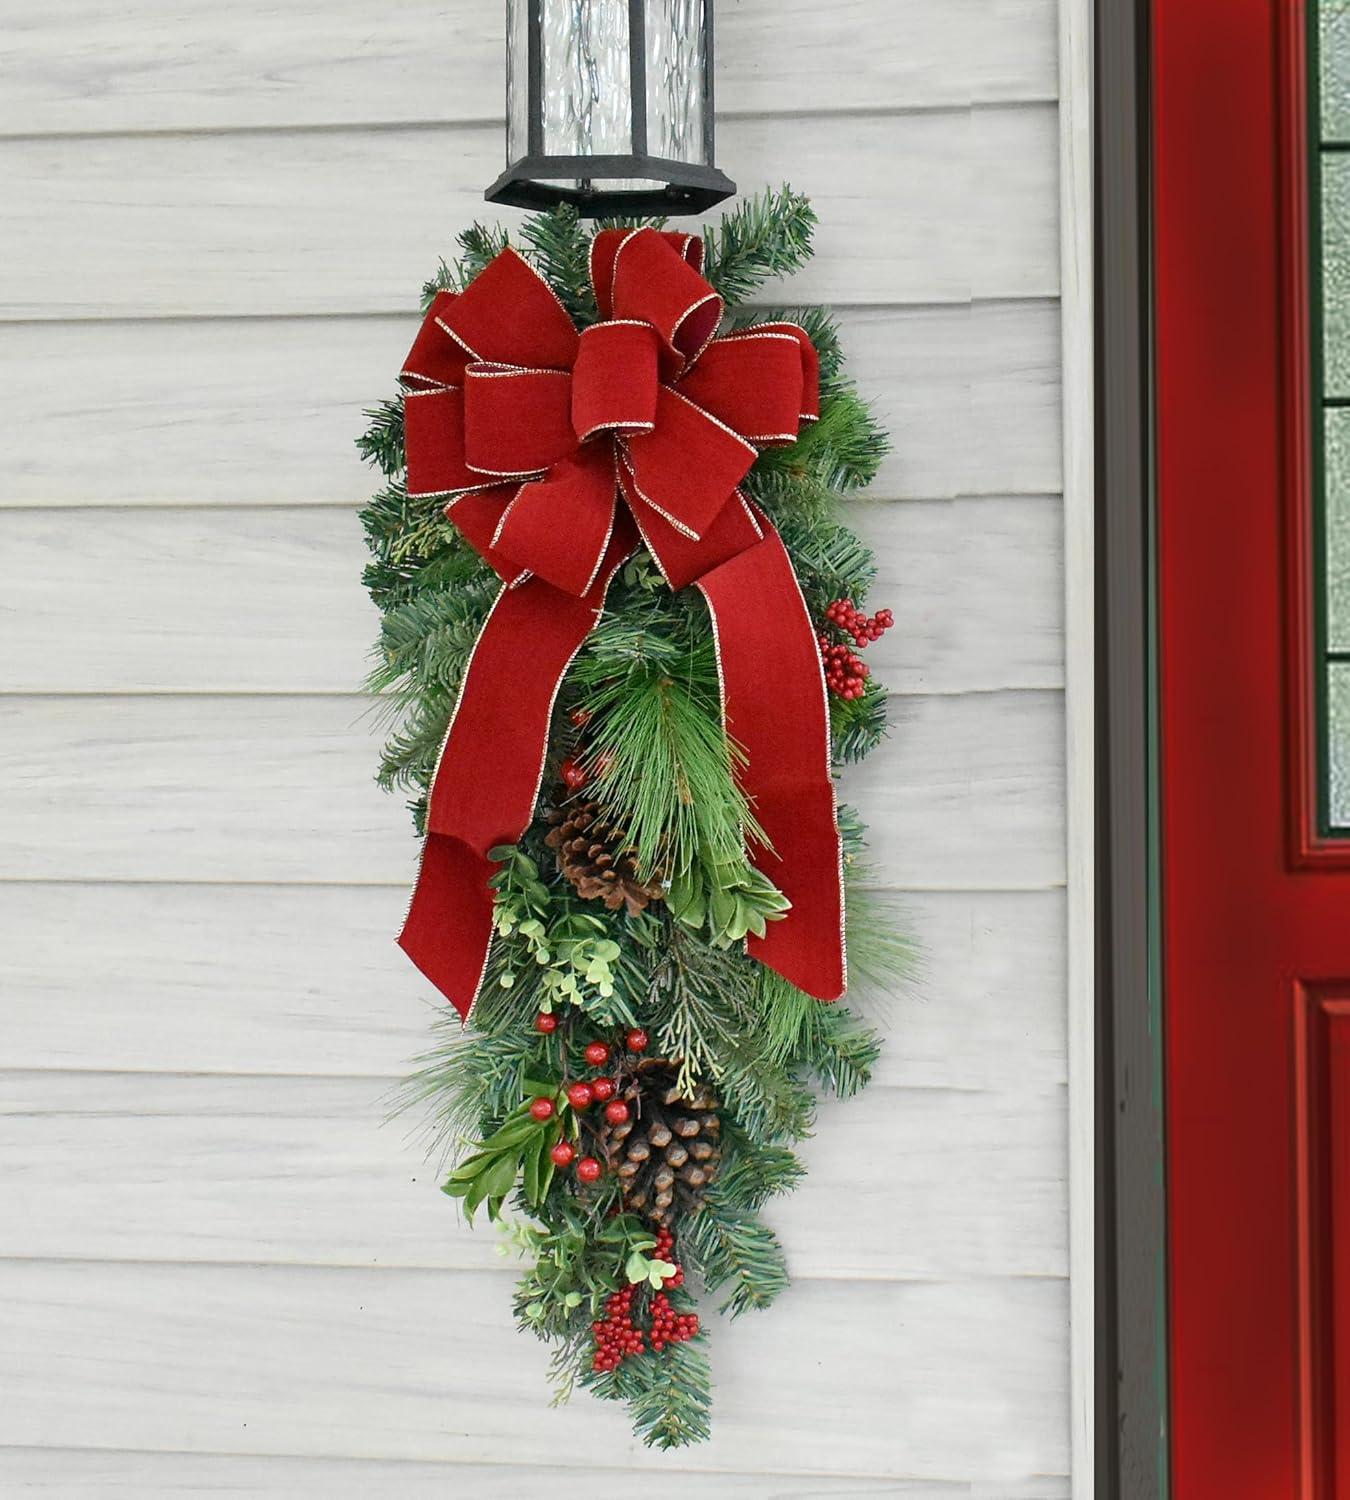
point(668, 774)
point(729, 1245)
point(425, 642)
point(561, 249)
point(880, 957)
point(752, 1173)
point(381, 443)
point(762, 237)
point(668, 1395)
point(840, 1050)
point(409, 756)
point(766, 1101)
point(478, 244)
point(857, 725)
point(703, 994)
point(465, 1082)
point(830, 560)
point(843, 450)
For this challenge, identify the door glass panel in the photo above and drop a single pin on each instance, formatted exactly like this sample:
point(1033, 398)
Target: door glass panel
point(1337, 489)
point(1335, 20)
point(1336, 270)
point(1329, 210)
point(1338, 744)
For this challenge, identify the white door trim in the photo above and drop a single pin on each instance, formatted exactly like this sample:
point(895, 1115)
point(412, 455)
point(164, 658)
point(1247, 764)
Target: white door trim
point(1076, 304)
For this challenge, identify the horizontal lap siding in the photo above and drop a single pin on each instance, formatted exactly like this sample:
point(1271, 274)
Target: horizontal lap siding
point(111, 1475)
point(975, 585)
point(198, 65)
point(983, 1012)
point(219, 1273)
point(341, 221)
point(263, 411)
point(420, 1364)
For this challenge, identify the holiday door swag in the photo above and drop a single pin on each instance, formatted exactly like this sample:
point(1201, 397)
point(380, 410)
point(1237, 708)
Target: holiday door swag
point(620, 630)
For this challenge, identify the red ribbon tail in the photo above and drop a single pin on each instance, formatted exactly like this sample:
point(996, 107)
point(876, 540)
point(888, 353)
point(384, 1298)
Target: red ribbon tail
point(487, 780)
point(448, 929)
point(775, 707)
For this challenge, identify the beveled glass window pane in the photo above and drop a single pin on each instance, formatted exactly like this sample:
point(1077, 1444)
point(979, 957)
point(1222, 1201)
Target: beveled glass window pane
point(1336, 272)
point(1337, 547)
point(1335, 49)
point(1329, 314)
point(1338, 744)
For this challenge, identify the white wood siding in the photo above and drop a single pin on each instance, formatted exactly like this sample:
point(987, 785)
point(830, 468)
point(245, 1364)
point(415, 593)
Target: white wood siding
point(219, 1274)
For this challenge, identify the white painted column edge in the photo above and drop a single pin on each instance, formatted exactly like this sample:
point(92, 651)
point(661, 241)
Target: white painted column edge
point(1076, 291)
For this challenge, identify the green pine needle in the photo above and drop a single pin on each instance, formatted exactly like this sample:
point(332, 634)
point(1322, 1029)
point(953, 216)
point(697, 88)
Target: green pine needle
point(561, 249)
point(763, 237)
point(666, 771)
point(729, 1246)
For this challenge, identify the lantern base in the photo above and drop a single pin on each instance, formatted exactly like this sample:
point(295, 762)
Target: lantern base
point(659, 185)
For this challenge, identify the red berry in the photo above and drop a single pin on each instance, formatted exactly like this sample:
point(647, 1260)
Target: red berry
point(616, 1111)
point(573, 775)
point(541, 1109)
point(589, 1170)
point(563, 1154)
point(597, 1054)
point(636, 1040)
point(546, 1022)
point(602, 1089)
point(580, 1095)
point(579, 717)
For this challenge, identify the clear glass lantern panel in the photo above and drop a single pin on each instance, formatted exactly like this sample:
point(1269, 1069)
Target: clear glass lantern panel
point(588, 101)
point(676, 96)
point(588, 98)
point(517, 79)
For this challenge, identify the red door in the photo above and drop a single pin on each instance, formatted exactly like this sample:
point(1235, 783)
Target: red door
point(1252, 699)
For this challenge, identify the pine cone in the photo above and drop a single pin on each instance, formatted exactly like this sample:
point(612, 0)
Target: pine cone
point(666, 1153)
point(594, 855)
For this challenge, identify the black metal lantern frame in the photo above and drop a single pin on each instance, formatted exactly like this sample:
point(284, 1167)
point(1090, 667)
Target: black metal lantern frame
point(651, 184)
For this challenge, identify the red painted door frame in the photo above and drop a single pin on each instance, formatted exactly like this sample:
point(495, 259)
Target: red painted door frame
point(1256, 910)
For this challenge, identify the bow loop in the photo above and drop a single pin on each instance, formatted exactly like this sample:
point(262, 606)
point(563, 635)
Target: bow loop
point(508, 314)
point(647, 278)
point(516, 422)
point(688, 466)
point(557, 528)
point(758, 382)
point(614, 379)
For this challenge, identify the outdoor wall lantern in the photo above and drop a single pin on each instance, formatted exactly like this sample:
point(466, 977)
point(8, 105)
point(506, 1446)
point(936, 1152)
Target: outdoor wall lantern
point(609, 105)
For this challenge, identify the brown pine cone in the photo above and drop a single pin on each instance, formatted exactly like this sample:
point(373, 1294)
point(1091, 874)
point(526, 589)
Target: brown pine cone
point(666, 1153)
point(593, 853)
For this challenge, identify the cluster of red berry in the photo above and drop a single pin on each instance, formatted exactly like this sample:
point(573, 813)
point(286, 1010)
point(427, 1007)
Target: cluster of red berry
point(582, 1094)
point(616, 1335)
point(846, 616)
point(668, 1326)
point(845, 672)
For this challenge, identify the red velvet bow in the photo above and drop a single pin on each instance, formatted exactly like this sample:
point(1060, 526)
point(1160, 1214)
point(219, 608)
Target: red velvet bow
point(557, 450)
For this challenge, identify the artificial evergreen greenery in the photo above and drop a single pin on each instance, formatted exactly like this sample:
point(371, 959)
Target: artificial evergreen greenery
point(639, 714)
